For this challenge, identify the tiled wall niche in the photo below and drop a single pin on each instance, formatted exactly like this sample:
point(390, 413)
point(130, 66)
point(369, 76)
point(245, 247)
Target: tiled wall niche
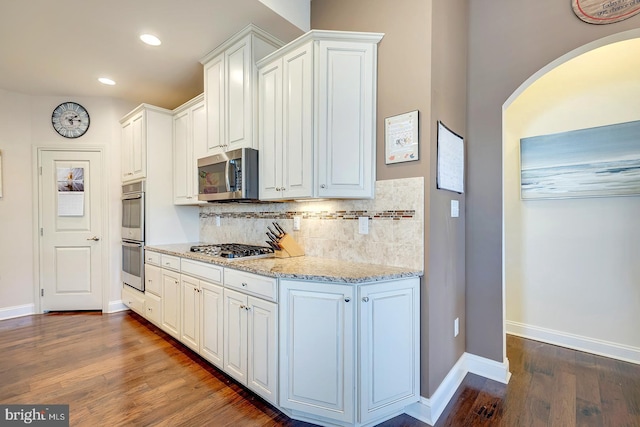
point(329, 228)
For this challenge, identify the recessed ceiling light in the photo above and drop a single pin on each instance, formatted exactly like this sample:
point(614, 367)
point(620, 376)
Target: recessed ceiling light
point(106, 81)
point(150, 40)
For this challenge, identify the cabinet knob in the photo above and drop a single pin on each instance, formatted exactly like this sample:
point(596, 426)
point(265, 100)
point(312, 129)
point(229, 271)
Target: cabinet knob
point(283, 189)
point(365, 299)
point(244, 284)
point(323, 186)
point(247, 308)
point(347, 299)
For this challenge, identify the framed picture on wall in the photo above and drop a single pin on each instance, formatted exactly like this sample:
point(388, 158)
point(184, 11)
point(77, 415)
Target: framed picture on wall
point(401, 138)
point(602, 161)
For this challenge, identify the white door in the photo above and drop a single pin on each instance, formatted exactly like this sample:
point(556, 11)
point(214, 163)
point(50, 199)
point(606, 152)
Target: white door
point(71, 245)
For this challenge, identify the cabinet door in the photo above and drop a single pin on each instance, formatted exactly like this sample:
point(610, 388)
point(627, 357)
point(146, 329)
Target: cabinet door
point(199, 145)
point(235, 335)
point(389, 347)
point(297, 137)
point(171, 303)
point(212, 331)
point(317, 349)
point(127, 150)
point(138, 147)
point(346, 119)
point(214, 100)
point(238, 95)
point(270, 130)
point(262, 348)
point(182, 157)
point(153, 279)
point(190, 312)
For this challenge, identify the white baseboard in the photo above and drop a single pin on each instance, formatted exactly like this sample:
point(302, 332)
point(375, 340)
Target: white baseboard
point(429, 410)
point(115, 306)
point(577, 342)
point(17, 311)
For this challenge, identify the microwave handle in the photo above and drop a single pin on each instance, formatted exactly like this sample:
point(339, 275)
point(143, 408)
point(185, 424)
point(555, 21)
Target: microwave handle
point(226, 174)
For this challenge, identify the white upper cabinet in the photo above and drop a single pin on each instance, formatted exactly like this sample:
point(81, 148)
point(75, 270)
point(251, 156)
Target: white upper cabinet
point(230, 75)
point(145, 123)
point(317, 117)
point(189, 144)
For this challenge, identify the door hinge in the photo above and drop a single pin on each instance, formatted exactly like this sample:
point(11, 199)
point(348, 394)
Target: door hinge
point(41, 292)
point(40, 170)
point(42, 231)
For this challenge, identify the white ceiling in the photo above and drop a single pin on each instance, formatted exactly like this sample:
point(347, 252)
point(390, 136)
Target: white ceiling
point(60, 48)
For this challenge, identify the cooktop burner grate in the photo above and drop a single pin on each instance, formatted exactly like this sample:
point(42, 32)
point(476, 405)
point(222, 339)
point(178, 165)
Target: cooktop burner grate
point(233, 250)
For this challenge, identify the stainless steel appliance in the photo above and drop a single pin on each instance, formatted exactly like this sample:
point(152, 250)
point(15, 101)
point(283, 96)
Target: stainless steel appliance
point(233, 250)
point(230, 176)
point(133, 235)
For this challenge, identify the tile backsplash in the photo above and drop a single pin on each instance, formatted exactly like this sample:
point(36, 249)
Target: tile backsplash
point(329, 228)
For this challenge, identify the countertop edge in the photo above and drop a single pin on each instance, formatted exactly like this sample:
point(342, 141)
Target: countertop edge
point(259, 266)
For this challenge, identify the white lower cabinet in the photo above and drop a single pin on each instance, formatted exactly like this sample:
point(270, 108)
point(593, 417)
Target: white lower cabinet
point(190, 312)
point(250, 342)
point(212, 321)
point(171, 292)
point(349, 354)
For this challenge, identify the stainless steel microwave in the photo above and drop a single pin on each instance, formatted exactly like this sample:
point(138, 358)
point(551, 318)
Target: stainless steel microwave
point(230, 176)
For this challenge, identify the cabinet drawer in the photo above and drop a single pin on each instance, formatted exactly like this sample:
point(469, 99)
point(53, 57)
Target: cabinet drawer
point(171, 262)
point(133, 299)
point(153, 279)
point(208, 272)
point(152, 306)
point(261, 286)
point(151, 257)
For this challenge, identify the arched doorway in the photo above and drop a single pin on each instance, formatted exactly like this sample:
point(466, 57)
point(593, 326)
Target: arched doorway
point(570, 275)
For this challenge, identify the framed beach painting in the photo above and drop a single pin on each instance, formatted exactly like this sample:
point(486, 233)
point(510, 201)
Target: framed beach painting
point(596, 162)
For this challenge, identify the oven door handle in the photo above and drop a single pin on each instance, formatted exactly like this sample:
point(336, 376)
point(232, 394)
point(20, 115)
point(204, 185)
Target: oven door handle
point(132, 197)
point(132, 245)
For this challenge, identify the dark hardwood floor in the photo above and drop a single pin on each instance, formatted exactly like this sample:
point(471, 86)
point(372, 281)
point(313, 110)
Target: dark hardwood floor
point(118, 369)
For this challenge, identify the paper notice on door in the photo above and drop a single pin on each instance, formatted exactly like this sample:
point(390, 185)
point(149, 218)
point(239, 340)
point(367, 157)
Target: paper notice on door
point(70, 191)
point(70, 204)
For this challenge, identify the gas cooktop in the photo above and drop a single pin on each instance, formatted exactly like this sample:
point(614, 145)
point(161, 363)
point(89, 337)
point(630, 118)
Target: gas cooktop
point(233, 250)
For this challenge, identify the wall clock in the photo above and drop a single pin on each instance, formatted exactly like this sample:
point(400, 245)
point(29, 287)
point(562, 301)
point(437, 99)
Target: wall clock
point(70, 119)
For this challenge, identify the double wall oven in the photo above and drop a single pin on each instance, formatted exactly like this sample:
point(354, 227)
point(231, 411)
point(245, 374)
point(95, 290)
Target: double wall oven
point(133, 235)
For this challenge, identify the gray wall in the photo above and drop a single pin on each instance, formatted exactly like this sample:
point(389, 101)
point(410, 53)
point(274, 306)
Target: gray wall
point(421, 66)
point(508, 42)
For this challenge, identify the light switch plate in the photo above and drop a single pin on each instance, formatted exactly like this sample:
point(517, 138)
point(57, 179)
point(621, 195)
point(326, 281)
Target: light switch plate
point(455, 209)
point(296, 223)
point(363, 224)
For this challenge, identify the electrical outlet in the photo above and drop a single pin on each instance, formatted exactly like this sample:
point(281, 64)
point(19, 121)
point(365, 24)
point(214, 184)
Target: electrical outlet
point(456, 327)
point(363, 224)
point(217, 220)
point(296, 223)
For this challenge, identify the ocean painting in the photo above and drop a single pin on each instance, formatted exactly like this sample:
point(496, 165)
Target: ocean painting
point(596, 162)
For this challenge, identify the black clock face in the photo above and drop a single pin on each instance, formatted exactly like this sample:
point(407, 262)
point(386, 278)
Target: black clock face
point(70, 120)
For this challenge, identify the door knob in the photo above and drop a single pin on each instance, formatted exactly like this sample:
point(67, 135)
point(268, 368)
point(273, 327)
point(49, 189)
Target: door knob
point(94, 238)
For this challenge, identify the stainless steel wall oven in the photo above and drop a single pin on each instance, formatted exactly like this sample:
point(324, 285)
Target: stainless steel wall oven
point(133, 235)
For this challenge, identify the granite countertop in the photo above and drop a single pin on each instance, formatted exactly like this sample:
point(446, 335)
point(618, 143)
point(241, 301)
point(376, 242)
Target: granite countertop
point(303, 268)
